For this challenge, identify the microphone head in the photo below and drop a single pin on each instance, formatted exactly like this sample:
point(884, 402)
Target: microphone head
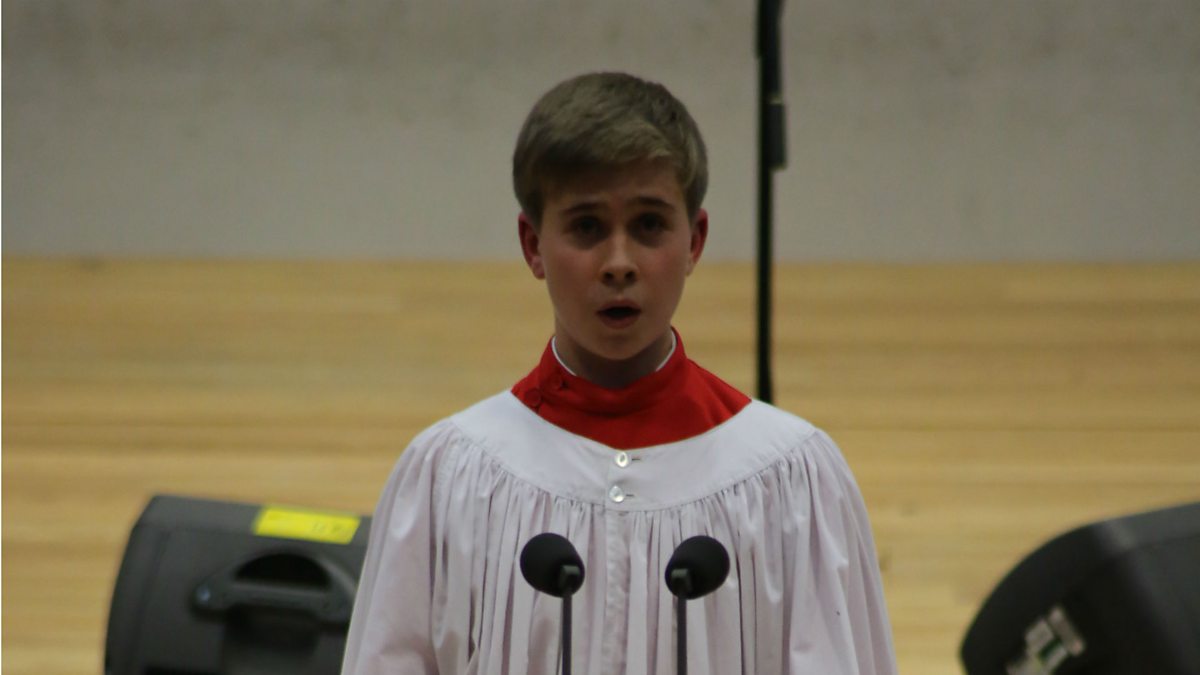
point(543, 561)
point(706, 562)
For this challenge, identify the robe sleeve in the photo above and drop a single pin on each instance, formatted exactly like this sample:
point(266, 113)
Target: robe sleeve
point(392, 623)
point(848, 583)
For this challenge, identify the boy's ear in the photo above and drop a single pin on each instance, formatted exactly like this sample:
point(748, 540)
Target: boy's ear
point(530, 243)
point(699, 236)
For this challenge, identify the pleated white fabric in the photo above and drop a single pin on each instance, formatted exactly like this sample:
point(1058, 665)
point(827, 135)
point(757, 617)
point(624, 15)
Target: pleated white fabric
point(441, 590)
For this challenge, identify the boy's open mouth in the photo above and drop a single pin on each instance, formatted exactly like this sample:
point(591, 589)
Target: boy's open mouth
point(620, 315)
point(619, 312)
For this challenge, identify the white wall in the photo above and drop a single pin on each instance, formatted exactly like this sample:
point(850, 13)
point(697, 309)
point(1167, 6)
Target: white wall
point(932, 130)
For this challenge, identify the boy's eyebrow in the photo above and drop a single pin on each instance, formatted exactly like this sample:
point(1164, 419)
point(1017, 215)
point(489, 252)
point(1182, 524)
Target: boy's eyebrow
point(592, 205)
point(651, 200)
point(581, 207)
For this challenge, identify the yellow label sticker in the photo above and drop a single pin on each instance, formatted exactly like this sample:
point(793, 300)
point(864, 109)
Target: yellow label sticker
point(292, 523)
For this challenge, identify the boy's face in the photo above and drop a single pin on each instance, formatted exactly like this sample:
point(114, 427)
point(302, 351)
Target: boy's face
point(614, 248)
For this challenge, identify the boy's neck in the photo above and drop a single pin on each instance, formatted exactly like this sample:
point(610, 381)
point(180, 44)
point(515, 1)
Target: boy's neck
point(617, 374)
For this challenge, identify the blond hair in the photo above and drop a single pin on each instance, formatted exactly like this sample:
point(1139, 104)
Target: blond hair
point(606, 120)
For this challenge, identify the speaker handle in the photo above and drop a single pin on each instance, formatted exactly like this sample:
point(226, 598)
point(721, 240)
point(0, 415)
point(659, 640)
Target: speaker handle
point(281, 579)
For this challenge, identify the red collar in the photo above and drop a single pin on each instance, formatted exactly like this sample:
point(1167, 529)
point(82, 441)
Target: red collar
point(678, 401)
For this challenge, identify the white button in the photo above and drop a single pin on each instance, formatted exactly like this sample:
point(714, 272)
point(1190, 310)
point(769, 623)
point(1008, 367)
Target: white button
point(622, 459)
point(616, 494)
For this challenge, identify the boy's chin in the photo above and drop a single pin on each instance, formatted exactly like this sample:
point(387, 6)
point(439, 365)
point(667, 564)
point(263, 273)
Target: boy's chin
point(626, 350)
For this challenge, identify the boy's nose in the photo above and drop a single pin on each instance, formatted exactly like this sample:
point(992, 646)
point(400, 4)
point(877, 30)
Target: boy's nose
point(624, 276)
point(618, 264)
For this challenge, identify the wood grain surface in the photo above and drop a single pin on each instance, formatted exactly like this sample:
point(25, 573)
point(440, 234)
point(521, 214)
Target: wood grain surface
point(983, 408)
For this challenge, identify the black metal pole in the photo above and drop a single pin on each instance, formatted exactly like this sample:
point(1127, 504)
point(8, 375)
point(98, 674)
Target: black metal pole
point(566, 634)
point(771, 156)
point(681, 635)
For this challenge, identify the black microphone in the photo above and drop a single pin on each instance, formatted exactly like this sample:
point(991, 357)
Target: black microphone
point(552, 565)
point(697, 567)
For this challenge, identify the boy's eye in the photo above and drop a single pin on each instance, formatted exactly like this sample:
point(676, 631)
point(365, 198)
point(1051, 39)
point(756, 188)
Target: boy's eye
point(585, 225)
point(652, 222)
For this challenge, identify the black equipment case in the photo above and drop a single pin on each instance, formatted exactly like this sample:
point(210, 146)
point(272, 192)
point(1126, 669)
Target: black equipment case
point(1118, 597)
point(221, 588)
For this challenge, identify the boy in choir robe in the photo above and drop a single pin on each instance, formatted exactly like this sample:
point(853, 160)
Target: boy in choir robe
point(619, 442)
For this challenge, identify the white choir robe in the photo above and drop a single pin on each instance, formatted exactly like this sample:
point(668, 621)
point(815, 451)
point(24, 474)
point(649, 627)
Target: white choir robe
point(441, 590)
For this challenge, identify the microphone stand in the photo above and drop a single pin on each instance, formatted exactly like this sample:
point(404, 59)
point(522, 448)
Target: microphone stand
point(697, 567)
point(771, 156)
point(552, 566)
point(681, 586)
point(568, 579)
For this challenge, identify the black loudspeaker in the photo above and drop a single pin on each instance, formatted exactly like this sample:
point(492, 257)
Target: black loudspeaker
point(220, 588)
point(1118, 597)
